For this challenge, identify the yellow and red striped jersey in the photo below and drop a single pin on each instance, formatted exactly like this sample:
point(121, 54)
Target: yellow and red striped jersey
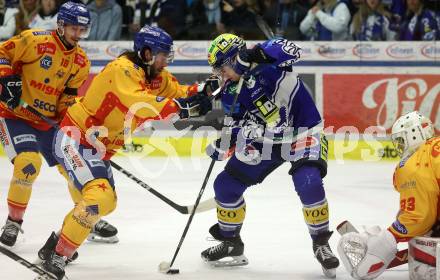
point(417, 179)
point(47, 68)
point(122, 93)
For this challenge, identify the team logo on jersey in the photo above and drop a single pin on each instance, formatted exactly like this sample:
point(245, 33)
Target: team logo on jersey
point(267, 108)
point(38, 33)
point(80, 60)
point(250, 83)
point(9, 46)
point(48, 47)
point(156, 83)
point(46, 62)
point(399, 227)
point(4, 61)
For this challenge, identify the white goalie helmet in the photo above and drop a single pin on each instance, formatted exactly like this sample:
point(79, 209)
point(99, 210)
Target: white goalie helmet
point(410, 131)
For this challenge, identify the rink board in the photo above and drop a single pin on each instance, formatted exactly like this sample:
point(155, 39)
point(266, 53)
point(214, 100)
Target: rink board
point(339, 150)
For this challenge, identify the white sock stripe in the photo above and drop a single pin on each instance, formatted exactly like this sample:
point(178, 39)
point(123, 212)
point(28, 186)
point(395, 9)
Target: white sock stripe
point(319, 203)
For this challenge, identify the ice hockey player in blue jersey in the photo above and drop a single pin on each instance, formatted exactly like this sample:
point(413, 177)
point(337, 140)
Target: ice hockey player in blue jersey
point(273, 121)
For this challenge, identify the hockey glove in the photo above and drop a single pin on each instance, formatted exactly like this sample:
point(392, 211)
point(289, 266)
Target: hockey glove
point(206, 88)
point(194, 106)
point(11, 90)
point(246, 57)
point(223, 147)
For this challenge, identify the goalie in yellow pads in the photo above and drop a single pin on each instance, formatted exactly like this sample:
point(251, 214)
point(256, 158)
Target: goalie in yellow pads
point(417, 179)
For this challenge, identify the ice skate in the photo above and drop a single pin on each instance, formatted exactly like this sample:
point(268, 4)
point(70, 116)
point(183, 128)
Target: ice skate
point(324, 254)
point(55, 265)
point(10, 232)
point(103, 232)
point(228, 253)
point(45, 252)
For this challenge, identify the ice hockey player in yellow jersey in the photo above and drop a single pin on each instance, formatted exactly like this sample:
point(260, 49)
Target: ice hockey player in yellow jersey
point(45, 70)
point(417, 179)
point(129, 91)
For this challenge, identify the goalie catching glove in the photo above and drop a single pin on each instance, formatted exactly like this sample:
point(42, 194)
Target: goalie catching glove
point(366, 255)
point(194, 106)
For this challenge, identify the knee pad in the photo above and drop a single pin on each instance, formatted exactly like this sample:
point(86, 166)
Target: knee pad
point(231, 216)
point(227, 188)
point(75, 194)
point(27, 166)
point(98, 199)
point(308, 184)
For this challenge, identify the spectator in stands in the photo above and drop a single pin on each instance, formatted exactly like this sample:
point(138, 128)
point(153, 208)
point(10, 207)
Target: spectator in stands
point(146, 12)
point(328, 20)
point(205, 19)
point(398, 11)
point(290, 14)
point(7, 29)
point(371, 23)
point(172, 18)
point(106, 20)
point(420, 23)
point(46, 18)
point(27, 10)
point(239, 20)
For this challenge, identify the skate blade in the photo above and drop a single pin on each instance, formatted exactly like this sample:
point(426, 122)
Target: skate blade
point(329, 273)
point(229, 261)
point(99, 239)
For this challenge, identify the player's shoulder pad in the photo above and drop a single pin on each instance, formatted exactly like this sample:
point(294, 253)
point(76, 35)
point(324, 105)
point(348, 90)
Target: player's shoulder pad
point(36, 32)
point(125, 66)
point(284, 52)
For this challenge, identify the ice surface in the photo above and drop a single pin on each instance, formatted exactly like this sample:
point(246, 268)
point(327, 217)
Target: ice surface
point(276, 240)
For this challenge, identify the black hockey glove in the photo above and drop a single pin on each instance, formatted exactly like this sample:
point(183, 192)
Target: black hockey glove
point(210, 85)
point(194, 106)
point(11, 90)
point(246, 57)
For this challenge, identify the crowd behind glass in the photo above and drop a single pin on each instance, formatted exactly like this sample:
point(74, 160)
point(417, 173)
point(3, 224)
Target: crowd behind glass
point(300, 20)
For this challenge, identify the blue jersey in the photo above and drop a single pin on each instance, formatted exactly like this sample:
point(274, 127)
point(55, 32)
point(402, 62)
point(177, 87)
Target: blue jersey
point(275, 97)
point(423, 27)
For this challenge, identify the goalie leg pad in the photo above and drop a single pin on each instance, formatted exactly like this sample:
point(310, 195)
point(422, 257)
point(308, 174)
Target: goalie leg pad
point(422, 260)
point(366, 255)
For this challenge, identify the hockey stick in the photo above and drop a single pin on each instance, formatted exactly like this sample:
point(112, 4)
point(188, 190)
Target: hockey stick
point(204, 206)
point(264, 27)
point(26, 263)
point(401, 256)
point(165, 267)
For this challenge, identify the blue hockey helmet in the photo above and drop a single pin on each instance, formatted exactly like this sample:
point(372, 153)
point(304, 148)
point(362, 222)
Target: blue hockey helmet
point(156, 39)
point(74, 14)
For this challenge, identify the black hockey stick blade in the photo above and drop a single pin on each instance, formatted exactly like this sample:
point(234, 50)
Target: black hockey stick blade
point(26, 263)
